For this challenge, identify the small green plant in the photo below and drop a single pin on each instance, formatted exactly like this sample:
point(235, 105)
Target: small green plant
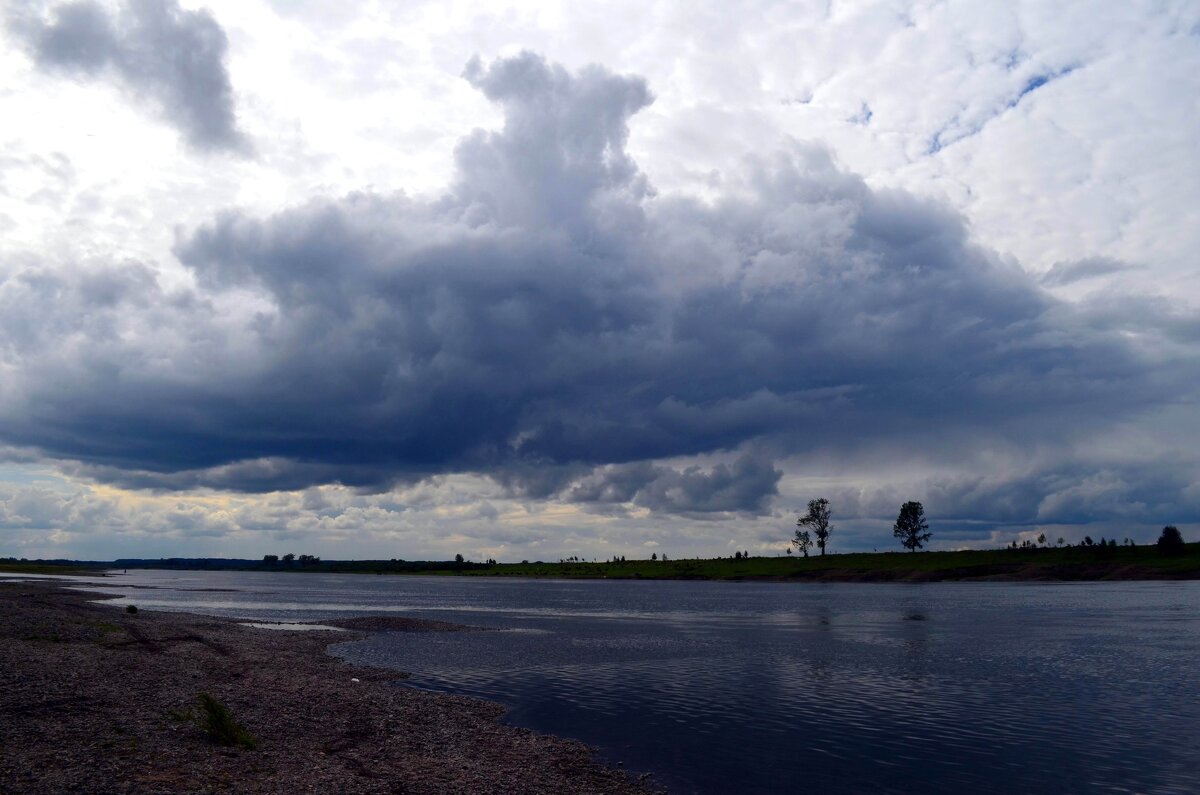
point(105, 629)
point(214, 719)
point(132, 609)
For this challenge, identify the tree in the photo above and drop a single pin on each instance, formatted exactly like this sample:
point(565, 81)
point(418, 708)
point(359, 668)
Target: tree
point(269, 559)
point(817, 519)
point(1171, 540)
point(1042, 539)
point(458, 558)
point(803, 542)
point(288, 558)
point(653, 556)
point(911, 527)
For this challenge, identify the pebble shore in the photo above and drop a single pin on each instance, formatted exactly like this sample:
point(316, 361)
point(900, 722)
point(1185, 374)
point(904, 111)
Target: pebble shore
point(91, 699)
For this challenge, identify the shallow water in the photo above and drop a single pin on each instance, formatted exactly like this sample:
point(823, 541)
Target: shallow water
point(739, 687)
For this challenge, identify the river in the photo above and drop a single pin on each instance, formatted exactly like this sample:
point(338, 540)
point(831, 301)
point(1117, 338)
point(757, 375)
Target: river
point(770, 688)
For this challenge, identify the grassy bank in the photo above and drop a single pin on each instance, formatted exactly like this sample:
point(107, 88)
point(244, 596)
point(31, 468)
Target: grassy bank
point(1072, 563)
point(1067, 563)
point(42, 567)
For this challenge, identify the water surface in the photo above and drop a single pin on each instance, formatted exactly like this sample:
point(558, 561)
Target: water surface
point(763, 688)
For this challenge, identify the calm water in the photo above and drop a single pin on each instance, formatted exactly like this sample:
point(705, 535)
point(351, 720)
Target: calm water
point(728, 687)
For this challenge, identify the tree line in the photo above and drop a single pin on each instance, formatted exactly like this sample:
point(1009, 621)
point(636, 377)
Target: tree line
point(815, 526)
point(290, 558)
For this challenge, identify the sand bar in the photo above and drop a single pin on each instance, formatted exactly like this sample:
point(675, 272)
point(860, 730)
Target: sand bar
point(91, 696)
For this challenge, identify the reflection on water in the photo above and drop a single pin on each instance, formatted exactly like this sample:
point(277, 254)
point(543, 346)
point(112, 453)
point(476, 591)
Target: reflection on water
point(736, 687)
point(291, 627)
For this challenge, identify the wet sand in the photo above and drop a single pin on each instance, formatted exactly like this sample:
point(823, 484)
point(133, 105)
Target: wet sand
point(91, 699)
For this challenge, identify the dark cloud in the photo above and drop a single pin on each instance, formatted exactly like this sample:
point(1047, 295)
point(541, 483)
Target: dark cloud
point(173, 58)
point(1063, 273)
point(1075, 495)
point(744, 487)
point(1133, 498)
point(554, 325)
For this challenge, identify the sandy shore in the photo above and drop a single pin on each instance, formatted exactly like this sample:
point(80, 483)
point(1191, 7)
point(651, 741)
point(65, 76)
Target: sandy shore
point(90, 699)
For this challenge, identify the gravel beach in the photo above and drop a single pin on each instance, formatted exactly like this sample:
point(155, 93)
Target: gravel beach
point(97, 700)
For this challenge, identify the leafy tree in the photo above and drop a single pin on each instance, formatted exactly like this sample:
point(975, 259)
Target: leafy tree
point(1171, 540)
point(803, 542)
point(911, 527)
point(458, 558)
point(1042, 539)
point(289, 557)
point(269, 559)
point(817, 519)
point(653, 556)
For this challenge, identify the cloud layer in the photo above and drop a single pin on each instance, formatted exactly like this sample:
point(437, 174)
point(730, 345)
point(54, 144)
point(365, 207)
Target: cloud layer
point(170, 58)
point(551, 323)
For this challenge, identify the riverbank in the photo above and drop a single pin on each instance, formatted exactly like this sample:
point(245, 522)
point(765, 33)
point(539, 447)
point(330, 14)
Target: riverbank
point(1027, 564)
point(1070, 564)
point(98, 700)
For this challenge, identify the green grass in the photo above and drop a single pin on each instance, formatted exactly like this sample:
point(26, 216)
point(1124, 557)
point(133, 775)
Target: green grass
point(1064, 563)
point(215, 720)
point(13, 567)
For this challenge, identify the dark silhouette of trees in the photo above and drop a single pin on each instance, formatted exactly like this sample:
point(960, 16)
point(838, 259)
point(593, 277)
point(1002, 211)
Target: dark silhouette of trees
point(803, 542)
point(911, 527)
point(458, 558)
point(270, 559)
point(817, 520)
point(653, 556)
point(1171, 540)
point(289, 557)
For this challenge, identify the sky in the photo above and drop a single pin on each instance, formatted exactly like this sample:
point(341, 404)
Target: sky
point(537, 280)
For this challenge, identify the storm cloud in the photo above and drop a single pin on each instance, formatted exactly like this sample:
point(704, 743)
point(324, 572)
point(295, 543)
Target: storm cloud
point(170, 58)
point(551, 323)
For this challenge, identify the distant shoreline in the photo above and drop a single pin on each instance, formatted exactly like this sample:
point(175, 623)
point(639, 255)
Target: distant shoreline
point(1036, 564)
point(101, 700)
